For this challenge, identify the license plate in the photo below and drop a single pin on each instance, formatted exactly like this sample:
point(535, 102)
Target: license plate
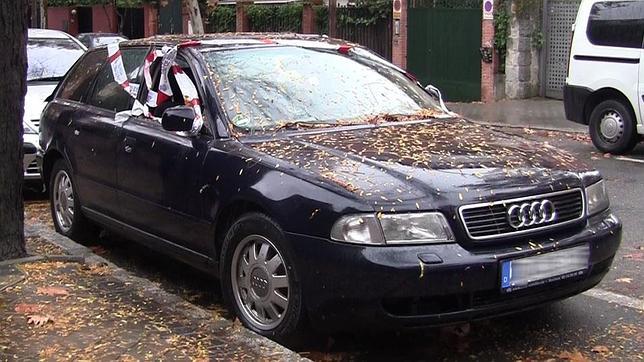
point(550, 267)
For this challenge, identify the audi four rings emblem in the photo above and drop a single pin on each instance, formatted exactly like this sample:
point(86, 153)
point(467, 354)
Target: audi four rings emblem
point(531, 213)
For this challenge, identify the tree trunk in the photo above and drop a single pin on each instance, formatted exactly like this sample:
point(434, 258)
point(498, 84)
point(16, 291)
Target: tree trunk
point(14, 17)
point(195, 16)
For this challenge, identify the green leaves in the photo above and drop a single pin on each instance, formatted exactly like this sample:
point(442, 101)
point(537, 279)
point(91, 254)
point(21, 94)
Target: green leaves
point(119, 3)
point(279, 18)
point(367, 12)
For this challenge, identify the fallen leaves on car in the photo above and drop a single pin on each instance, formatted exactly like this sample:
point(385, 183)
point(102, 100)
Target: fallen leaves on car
point(52, 291)
point(39, 320)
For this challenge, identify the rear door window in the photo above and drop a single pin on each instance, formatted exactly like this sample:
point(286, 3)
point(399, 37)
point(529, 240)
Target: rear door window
point(616, 24)
point(78, 82)
point(110, 95)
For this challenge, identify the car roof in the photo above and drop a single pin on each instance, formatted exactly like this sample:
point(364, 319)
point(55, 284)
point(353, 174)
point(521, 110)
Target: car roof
point(237, 39)
point(47, 33)
point(102, 34)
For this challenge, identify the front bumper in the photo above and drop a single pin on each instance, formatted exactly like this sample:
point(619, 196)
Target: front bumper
point(345, 286)
point(30, 165)
point(575, 102)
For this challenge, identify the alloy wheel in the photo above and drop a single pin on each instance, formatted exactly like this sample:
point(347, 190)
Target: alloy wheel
point(260, 282)
point(63, 194)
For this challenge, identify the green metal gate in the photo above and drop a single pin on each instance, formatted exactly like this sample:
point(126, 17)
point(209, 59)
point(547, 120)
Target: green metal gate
point(170, 21)
point(443, 46)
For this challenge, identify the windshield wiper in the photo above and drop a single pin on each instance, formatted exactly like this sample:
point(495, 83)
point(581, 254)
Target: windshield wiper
point(292, 125)
point(46, 79)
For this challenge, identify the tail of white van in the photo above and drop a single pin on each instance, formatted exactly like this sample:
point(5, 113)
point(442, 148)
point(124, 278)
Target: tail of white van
point(604, 88)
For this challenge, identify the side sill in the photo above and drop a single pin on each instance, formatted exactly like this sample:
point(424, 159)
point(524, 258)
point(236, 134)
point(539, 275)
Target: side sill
point(192, 258)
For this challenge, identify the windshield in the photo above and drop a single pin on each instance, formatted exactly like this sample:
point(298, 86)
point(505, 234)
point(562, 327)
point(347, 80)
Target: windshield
point(267, 88)
point(51, 58)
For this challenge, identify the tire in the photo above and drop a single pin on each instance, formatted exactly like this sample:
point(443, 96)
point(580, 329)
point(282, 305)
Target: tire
point(68, 221)
point(612, 127)
point(256, 292)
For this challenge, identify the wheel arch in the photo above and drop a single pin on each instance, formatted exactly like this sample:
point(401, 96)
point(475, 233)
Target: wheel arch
point(228, 214)
point(48, 163)
point(604, 94)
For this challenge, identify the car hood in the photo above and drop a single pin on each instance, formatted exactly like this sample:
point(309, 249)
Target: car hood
point(454, 161)
point(35, 98)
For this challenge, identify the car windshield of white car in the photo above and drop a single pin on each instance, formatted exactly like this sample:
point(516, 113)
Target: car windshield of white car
point(277, 87)
point(49, 59)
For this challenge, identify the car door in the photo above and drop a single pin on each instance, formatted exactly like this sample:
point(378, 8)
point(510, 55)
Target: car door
point(97, 134)
point(159, 182)
point(640, 85)
point(76, 127)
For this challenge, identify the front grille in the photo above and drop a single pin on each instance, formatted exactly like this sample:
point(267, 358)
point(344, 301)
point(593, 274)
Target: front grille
point(490, 220)
point(33, 169)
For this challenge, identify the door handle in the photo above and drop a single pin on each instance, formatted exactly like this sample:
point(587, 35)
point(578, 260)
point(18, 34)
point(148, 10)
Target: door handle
point(129, 144)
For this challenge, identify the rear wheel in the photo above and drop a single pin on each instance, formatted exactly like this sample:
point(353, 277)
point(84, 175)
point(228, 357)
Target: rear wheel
point(612, 127)
point(65, 206)
point(259, 278)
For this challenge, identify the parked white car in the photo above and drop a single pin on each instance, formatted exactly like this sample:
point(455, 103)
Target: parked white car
point(605, 82)
point(50, 53)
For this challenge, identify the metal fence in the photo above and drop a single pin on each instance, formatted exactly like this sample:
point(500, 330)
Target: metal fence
point(376, 36)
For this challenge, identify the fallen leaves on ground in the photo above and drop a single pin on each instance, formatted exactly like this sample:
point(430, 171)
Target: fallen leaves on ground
point(624, 280)
point(27, 308)
point(52, 291)
point(574, 356)
point(600, 350)
point(39, 320)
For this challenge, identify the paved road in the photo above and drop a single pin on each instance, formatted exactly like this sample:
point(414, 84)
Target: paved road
point(609, 319)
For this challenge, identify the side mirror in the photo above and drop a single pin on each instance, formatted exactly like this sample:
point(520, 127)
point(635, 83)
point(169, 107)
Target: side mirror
point(434, 92)
point(178, 119)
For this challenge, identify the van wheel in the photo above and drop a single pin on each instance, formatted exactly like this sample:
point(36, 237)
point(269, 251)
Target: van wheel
point(612, 127)
point(65, 206)
point(259, 279)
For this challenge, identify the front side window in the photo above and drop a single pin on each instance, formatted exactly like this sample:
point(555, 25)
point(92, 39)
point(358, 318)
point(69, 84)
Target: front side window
point(264, 88)
point(50, 59)
point(110, 95)
point(616, 24)
point(78, 83)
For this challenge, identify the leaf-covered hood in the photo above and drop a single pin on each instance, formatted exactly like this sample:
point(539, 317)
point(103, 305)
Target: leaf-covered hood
point(420, 162)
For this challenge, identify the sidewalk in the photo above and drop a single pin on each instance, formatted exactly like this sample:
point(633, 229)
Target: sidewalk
point(73, 304)
point(536, 113)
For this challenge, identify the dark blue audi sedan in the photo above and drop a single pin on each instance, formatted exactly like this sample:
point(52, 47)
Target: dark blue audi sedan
point(319, 182)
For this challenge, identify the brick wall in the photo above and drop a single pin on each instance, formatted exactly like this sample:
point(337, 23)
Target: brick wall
point(104, 19)
point(151, 19)
point(242, 23)
point(61, 18)
point(399, 41)
point(488, 70)
point(308, 19)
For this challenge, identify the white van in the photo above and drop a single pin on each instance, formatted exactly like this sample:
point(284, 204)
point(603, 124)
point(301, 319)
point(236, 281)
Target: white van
point(605, 84)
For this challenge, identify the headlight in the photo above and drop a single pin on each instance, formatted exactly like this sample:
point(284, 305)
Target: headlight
point(414, 228)
point(27, 128)
point(596, 198)
point(361, 229)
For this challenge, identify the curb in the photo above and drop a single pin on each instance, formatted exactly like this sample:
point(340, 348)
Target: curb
point(80, 253)
point(516, 126)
